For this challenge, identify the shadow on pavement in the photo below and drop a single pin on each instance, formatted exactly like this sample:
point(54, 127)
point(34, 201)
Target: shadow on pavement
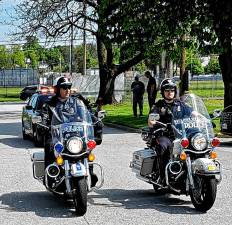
point(226, 143)
point(143, 199)
point(44, 204)
point(17, 142)
point(14, 130)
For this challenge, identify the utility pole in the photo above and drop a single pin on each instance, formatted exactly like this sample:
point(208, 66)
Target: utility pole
point(84, 39)
point(71, 50)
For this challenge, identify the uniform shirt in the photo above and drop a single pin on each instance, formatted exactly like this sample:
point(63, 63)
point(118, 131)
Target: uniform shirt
point(167, 111)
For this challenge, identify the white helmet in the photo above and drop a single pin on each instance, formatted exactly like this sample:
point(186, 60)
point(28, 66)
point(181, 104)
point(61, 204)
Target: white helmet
point(62, 81)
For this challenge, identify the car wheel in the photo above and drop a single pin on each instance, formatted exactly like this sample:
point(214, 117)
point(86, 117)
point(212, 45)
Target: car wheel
point(25, 136)
point(37, 137)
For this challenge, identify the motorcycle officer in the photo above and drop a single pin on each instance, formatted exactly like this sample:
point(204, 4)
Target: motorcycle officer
point(62, 100)
point(166, 108)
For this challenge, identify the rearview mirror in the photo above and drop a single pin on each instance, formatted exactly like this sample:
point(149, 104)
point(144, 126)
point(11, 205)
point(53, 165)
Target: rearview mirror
point(154, 116)
point(217, 113)
point(29, 107)
point(101, 114)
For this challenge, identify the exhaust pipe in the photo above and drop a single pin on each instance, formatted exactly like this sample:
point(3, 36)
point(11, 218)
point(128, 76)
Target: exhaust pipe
point(53, 170)
point(175, 167)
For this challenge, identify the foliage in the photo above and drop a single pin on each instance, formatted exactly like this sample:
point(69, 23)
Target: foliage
point(213, 66)
point(193, 62)
point(18, 57)
point(5, 57)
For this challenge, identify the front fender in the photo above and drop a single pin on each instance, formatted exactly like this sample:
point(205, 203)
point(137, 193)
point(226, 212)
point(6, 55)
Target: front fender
point(205, 166)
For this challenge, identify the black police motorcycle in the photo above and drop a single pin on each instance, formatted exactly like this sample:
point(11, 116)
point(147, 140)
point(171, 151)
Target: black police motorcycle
point(193, 168)
point(69, 174)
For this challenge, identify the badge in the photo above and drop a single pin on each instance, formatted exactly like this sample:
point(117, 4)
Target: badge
point(163, 110)
point(71, 110)
point(178, 108)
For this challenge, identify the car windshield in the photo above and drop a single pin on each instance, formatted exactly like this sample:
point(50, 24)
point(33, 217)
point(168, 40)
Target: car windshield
point(197, 121)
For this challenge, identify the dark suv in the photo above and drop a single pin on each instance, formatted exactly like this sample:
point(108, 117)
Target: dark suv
point(28, 91)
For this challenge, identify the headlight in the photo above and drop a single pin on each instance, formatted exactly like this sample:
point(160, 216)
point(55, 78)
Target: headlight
point(75, 145)
point(199, 142)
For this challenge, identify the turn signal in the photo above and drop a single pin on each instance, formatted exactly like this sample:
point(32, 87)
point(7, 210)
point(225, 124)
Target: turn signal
point(213, 155)
point(59, 160)
point(91, 157)
point(91, 144)
point(215, 142)
point(184, 142)
point(183, 156)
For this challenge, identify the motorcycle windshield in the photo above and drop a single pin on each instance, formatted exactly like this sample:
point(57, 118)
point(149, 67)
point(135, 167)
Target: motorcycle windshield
point(73, 119)
point(197, 121)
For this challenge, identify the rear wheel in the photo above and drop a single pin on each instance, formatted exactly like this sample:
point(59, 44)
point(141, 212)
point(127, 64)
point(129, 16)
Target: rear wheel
point(25, 136)
point(38, 139)
point(80, 196)
point(204, 194)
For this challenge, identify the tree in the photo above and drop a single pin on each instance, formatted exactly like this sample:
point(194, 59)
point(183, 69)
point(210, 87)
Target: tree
point(213, 27)
point(213, 66)
point(18, 57)
point(132, 25)
point(4, 57)
point(193, 62)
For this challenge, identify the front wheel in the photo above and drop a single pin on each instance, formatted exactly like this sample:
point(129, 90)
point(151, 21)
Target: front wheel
point(80, 196)
point(204, 194)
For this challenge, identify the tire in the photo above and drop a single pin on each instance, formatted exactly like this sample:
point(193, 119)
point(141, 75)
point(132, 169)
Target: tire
point(38, 140)
point(25, 136)
point(204, 194)
point(80, 196)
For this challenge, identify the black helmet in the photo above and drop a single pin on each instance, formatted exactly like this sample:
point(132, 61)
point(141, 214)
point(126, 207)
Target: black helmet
point(167, 83)
point(61, 82)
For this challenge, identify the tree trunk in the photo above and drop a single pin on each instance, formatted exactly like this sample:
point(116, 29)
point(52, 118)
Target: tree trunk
point(225, 61)
point(106, 92)
point(183, 73)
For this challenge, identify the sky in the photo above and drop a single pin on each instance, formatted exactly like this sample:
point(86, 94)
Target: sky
point(6, 9)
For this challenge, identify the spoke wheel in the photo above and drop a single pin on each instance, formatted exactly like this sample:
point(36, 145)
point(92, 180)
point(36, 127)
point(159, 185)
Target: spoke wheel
point(204, 194)
point(80, 196)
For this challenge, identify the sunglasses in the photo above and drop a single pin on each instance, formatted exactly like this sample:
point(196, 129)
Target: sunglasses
point(66, 87)
point(169, 90)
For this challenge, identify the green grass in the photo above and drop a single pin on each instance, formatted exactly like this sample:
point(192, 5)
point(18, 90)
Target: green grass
point(123, 114)
point(10, 94)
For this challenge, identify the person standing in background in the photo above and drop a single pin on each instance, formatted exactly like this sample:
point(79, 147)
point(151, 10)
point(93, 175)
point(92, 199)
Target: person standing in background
point(151, 89)
point(138, 89)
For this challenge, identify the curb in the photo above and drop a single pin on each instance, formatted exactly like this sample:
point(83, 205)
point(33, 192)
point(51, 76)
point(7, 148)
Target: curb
point(121, 127)
point(12, 103)
point(222, 138)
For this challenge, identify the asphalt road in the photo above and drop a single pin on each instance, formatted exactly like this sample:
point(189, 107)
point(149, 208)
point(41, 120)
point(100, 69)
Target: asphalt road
point(122, 200)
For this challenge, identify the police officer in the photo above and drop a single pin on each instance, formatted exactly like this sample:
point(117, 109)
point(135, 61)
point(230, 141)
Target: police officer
point(151, 89)
point(166, 108)
point(138, 89)
point(62, 100)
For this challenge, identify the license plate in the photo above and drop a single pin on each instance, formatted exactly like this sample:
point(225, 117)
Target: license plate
point(78, 170)
point(211, 167)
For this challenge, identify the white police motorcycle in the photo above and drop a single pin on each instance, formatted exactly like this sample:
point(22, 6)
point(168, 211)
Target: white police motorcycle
point(69, 174)
point(193, 168)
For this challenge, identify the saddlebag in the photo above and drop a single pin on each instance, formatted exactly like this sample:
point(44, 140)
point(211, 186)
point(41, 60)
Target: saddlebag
point(143, 160)
point(38, 164)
